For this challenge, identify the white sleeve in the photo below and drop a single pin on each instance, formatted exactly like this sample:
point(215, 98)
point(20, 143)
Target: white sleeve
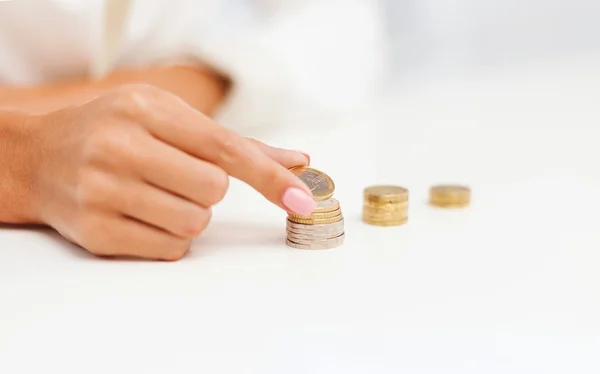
point(312, 59)
point(289, 61)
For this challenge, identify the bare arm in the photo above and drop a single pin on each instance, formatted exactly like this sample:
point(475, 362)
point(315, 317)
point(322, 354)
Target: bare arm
point(16, 160)
point(199, 87)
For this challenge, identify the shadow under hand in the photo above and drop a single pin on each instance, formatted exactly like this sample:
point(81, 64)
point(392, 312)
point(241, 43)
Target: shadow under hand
point(51, 236)
point(75, 251)
point(219, 236)
point(72, 249)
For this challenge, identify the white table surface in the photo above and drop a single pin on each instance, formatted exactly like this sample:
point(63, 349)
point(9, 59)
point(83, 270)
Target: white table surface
point(510, 285)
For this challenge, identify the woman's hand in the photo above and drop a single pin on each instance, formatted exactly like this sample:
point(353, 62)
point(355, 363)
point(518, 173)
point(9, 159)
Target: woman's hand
point(136, 172)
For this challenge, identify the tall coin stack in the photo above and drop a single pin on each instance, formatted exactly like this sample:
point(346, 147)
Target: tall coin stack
point(385, 205)
point(324, 229)
point(450, 196)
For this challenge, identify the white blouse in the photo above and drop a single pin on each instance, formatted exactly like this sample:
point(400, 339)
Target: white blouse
point(288, 59)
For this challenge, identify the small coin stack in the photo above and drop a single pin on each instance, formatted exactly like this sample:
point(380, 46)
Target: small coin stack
point(324, 229)
point(385, 205)
point(449, 196)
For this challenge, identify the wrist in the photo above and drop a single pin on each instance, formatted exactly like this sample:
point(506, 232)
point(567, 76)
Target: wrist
point(18, 164)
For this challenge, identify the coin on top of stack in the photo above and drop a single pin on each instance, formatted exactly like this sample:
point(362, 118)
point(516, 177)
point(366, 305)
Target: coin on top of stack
point(324, 229)
point(385, 205)
point(450, 196)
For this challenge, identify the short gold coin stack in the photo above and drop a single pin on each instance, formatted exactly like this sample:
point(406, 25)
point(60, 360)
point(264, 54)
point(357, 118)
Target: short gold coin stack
point(385, 205)
point(449, 196)
point(324, 229)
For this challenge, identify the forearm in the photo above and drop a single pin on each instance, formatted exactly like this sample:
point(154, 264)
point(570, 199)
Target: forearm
point(16, 165)
point(200, 88)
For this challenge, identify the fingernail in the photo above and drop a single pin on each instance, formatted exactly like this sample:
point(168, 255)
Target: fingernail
point(299, 201)
point(305, 155)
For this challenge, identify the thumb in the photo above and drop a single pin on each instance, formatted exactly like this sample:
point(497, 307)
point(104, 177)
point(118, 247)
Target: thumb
point(285, 157)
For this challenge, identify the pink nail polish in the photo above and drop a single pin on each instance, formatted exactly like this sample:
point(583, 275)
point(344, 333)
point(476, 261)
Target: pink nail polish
point(299, 201)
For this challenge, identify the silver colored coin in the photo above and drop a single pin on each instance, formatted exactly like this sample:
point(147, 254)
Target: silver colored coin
point(321, 231)
point(313, 241)
point(329, 244)
point(316, 234)
point(328, 205)
point(313, 236)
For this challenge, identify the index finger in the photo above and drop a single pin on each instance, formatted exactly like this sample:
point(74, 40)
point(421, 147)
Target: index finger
point(175, 122)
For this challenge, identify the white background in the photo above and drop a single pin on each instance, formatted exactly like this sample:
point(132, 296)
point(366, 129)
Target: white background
point(509, 285)
point(502, 96)
point(440, 37)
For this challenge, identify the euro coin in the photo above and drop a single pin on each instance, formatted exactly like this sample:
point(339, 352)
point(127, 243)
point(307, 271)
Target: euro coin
point(397, 222)
point(333, 213)
point(449, 196)
point(327, 244)
point(385, 205)
point(316, 227)
point(324, 228)
point(368, 217)
point(385, 194)
point(389, 208)
point(325, 206)
point(319, 183)
point(312, 241)
point(317, 221)
point(292, 235)
point(385, 216)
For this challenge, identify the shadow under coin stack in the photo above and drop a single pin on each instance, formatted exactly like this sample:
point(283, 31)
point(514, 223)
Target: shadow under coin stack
point(324, 229)
point(449, 197)
point(385, 205)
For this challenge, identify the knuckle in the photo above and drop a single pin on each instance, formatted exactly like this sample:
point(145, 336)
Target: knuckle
point(230, 146)
point(134, 100)
point(98, 144)
point(272, 178)
point(112, 143)
point(195, 221)
point(217, 186)
point(93, 189)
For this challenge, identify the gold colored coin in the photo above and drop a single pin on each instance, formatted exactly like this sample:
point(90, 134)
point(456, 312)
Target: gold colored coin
point(386, 207)
point(450, 206)
point(386, 222)
point(449, 196)
point(384, 204)
point(385, 193)
point(384, 216)
point(324, 209)
point(334, 213)
point(312, 228)
point(319, 183)
point(317, 221)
